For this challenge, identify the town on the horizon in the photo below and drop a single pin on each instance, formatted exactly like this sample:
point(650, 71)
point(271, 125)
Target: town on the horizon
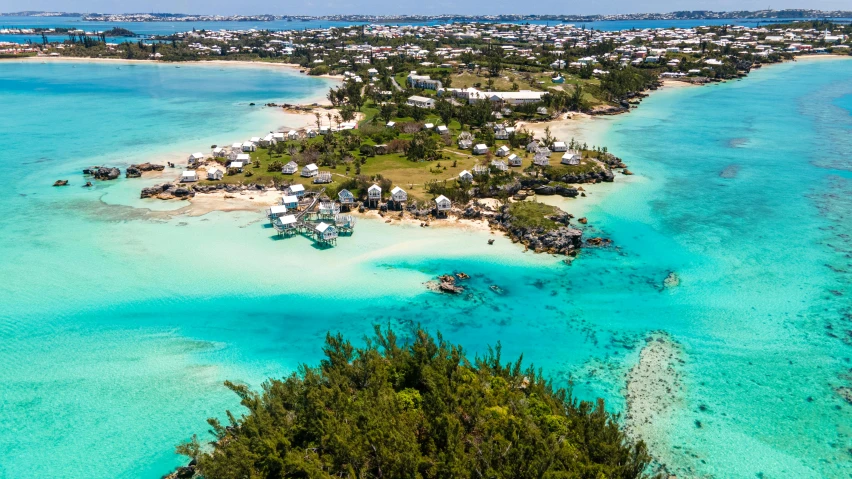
point(768, 14)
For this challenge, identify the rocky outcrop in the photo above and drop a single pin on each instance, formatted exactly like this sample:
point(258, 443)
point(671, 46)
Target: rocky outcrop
point(167, 191)
point(103, 172)
point(60, 183)
point(135, 171)
point(559, 238)
point(561, 190)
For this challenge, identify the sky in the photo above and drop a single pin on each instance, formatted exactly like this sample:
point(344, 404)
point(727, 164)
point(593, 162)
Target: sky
point(393, 7)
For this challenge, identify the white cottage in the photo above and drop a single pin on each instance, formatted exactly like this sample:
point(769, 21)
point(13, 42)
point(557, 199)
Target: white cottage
point(374, 193)
point(276, 211)
point(214, 174)
point(293, 135)
point(559, 146)
point(503, 151)
point(290, 168)
point(248, 146)
point(310, 170)
point(244, 158)
point(311, 133)
point(188, 175)
point(442, 203)
point(465, 176)
point(399, 195)
point(514, 160)
point(480, 149)
point(442, 130)
point(219, 152)
point(499, 165)
point(326, 232)
point(571, 157)
point(195, 158)
point(290, 201)
point(286, 222)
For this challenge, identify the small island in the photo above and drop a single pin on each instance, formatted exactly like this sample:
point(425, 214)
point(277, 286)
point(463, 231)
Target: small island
point(414, 408)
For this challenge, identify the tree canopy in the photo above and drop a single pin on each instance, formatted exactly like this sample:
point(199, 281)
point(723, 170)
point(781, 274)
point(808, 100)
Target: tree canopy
point(420, 410)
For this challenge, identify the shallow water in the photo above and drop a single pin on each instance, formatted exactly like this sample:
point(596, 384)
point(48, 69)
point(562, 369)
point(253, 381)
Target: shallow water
point(119, 324)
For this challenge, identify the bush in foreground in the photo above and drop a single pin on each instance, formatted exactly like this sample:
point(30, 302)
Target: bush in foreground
point(416, 411)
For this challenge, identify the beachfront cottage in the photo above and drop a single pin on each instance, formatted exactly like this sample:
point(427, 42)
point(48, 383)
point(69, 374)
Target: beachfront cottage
point(188, 175)
point(237, 166)
point(276, 211)
point(324, 130)
point(503, 151)
point(328, 208)
point(310, 170)
point(311, 133)
point(346, 197)
point(219, 152)
point(571, 157)
point(293, 135)
point(290, 201)
point(465, 176)
point(285, 222)
point(255, 140)
point(215, 174)
point(248, 146)
point(326, 232)
point(398, 195)
point(559, 146)
point(267, 141)
point(195, 159)
point(278, 136)
point(480, 149)
point(296, 190)
point(244, 158)
point(442, 203)
point(514, 160)
point(374, 193)
point(290, 168)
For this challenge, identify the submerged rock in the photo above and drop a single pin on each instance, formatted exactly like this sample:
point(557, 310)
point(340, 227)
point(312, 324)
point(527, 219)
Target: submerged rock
point(61, 183)
point(672, 280)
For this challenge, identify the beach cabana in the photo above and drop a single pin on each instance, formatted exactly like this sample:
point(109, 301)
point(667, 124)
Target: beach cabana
point(442, 203)
point(195, 159)
point(399, 195)
point(214, 174)
point(276, 211)
point(310, 170)
point(188, 175)
point(296, 190)
point(290, 201)
point(290, 168)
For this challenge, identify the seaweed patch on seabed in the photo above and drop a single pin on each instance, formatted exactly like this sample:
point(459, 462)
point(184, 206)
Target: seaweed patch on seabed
point(107, 213)
point(654, 391)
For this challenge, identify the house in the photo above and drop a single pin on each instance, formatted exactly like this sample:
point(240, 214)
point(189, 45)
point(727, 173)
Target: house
point(276, 211)
point(442, 203)
point(310, 133)
point(398, 195)
point(296, 190)
point(236, 165)
point(214, 174)
point(293, 135)
point(290, 168)
point(324, 130)
point(428, 126)
point(514, 160)
point(345, 197)
point(267, 140)
point(374, 193)
point(541, 159)
point(559, 146)
point(390, 124)
point(442, 129)
point(465, 143)
point(480, 149)
point(571, 157)
point(422, 81)
point(285, 222)
point(248, 146)
point(328, 208)
point(500, 165)
point(420, 101)
point(310, 170)
point(503, 151)
point(532, 146)
point(325, 232)
point(323, 177)
point(188, 175)
point(218, 152)
point(479, 170)
point(244, 158)
point(290, 201)
point(278, 136)
point(542, 110)
point(465, 176)
point(195, 159)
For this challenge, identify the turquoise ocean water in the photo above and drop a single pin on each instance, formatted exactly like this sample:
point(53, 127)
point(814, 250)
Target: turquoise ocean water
point(120, 320)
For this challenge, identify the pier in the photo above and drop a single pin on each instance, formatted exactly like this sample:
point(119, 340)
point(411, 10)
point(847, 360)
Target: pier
point(320, 220)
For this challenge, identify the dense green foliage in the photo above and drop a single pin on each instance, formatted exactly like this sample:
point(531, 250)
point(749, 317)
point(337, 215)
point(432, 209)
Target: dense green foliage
point(416, 411)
